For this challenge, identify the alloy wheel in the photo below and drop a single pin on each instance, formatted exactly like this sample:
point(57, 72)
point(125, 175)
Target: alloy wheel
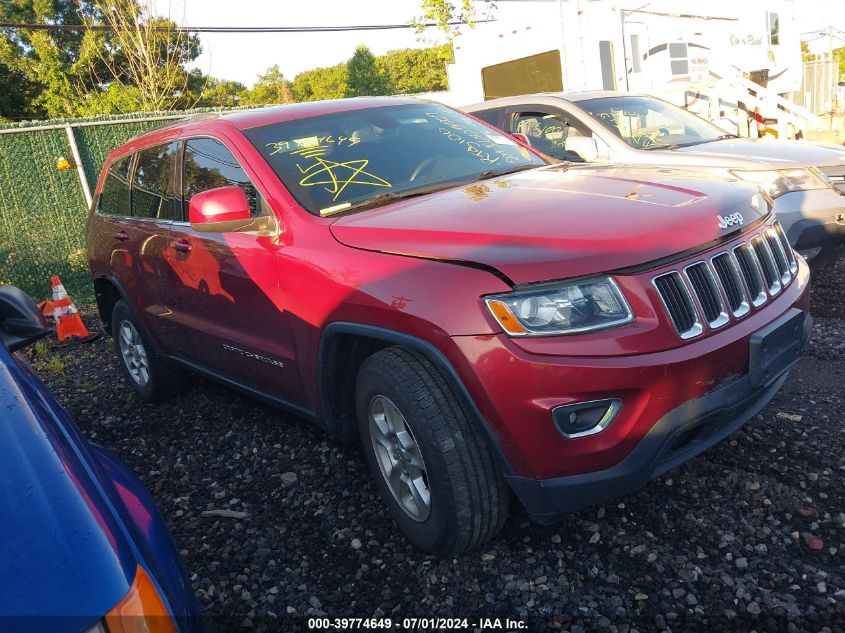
point(399, 458)
point(134, 354)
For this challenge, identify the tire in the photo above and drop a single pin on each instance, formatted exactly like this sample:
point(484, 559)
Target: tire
point(150, 376)
point(468, 499)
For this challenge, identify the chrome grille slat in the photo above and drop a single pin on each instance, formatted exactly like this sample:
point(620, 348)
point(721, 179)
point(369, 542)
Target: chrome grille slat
point(752, 274)
point(780, 256)
point(707, 292)
point(729, 284)
point(787, 248)
point(727, 270)
point(678, 302)
point(767, 263)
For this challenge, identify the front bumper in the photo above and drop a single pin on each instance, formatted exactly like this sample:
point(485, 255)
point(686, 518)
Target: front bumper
point(517, 383)
point(677, 437)
point(812, 219)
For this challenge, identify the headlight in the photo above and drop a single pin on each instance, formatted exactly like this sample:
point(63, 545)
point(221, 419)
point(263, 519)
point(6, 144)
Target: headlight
point(781, 181)
point(583, 306)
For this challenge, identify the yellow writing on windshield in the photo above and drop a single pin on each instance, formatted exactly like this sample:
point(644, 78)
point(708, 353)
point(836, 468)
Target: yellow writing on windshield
point(487, 147)
point(336, 175)
point(311, 141)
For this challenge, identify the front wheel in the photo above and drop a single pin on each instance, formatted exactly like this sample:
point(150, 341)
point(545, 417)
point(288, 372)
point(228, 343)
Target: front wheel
point(149, 375)
point(430, 464)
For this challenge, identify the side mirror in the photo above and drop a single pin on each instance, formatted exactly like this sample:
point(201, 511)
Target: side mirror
point(225, 210)
point(522, 138)
point(584, 146)
point(220, 210)
point(21, 322)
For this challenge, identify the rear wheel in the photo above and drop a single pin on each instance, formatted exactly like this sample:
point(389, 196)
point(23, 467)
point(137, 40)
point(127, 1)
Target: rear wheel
point(149, 375)
point(430, 464)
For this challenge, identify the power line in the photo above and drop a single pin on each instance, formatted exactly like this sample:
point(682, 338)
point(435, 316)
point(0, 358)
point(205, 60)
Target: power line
point(233, 29)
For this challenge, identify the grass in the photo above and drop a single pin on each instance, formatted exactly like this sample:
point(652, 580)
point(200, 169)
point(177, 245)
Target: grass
point(46, 361)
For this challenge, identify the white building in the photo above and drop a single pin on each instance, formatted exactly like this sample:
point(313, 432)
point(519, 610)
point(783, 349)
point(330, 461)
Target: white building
point(658, 46)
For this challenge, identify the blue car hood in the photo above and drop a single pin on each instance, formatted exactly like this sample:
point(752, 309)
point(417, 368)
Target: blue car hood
point(62, 553)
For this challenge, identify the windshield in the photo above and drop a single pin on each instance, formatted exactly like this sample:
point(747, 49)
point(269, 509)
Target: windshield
point(646, 123)
point(334, 162)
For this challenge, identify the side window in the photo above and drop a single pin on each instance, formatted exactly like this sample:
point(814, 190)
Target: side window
point(608, 66)
point(636, 55)
point(114, 198)
point(678, 58)
point(488, 116)
point(774, 29)
point(154, 191)
point(209, 164)
point(549, 133)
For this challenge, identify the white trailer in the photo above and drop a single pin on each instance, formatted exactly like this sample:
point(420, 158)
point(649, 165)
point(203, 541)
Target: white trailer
point(698, 55)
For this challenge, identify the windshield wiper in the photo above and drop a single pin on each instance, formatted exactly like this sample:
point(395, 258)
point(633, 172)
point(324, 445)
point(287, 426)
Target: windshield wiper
point(391, 196)
point(723, 137)
point(492, 173)
point(384, 198)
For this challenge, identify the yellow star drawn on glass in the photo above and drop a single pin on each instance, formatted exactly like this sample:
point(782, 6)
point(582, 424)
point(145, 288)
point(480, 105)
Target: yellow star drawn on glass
point(338, 176)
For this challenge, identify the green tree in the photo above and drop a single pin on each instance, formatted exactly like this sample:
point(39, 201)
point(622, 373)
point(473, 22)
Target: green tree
point(17, 94)
point(53, 63)
point(271, 87)
point(147, 58)
point(837, 53)
point(210, 92)
point(138, 64)
point(443, 13)
point(806, 55)
point(221, 93)
point(321, 83)
point(365, 76)
point(412, 70)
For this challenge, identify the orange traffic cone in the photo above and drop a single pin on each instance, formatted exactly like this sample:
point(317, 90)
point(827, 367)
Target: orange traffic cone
point(68, 322)
point(46, 308)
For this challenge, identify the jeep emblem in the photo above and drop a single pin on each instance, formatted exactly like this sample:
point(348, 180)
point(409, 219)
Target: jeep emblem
point(734, 219)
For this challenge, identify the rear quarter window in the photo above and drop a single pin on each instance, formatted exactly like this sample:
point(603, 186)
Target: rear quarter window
point(114, 197)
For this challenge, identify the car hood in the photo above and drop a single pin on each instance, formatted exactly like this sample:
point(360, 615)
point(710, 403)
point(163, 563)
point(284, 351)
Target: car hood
point(774, 154)
point(62, 552)
point(552, 223)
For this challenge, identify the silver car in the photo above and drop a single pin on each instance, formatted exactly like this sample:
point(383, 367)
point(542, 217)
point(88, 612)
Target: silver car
point(806, 179)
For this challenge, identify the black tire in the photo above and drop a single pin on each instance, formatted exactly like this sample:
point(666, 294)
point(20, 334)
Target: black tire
point(469, 499)
point(162, 379)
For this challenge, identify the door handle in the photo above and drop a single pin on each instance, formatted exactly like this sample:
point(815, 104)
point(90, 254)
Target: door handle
point(182, 245)
point(121, 236)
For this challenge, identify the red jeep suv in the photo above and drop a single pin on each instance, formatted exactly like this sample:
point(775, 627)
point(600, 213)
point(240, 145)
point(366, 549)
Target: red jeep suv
point(486, 322)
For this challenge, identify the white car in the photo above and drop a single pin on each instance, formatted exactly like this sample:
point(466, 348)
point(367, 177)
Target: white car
point(806, 179)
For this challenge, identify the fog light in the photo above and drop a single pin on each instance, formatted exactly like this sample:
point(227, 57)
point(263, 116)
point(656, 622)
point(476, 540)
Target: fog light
point(585, 418)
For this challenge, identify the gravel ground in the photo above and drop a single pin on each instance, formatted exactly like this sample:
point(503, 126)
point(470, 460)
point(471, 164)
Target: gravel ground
point(749, 536)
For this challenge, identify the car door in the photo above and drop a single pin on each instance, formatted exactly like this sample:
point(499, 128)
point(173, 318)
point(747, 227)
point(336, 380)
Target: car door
point(549, 130)
point(154, 205)
point(110, 226)
point(136, 228)
point(227, 301)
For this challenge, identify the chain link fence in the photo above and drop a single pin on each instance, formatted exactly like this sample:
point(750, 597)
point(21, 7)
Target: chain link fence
point(42, 209)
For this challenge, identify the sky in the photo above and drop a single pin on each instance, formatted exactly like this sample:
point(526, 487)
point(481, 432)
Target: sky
point(819, 15)
point(242, 57)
